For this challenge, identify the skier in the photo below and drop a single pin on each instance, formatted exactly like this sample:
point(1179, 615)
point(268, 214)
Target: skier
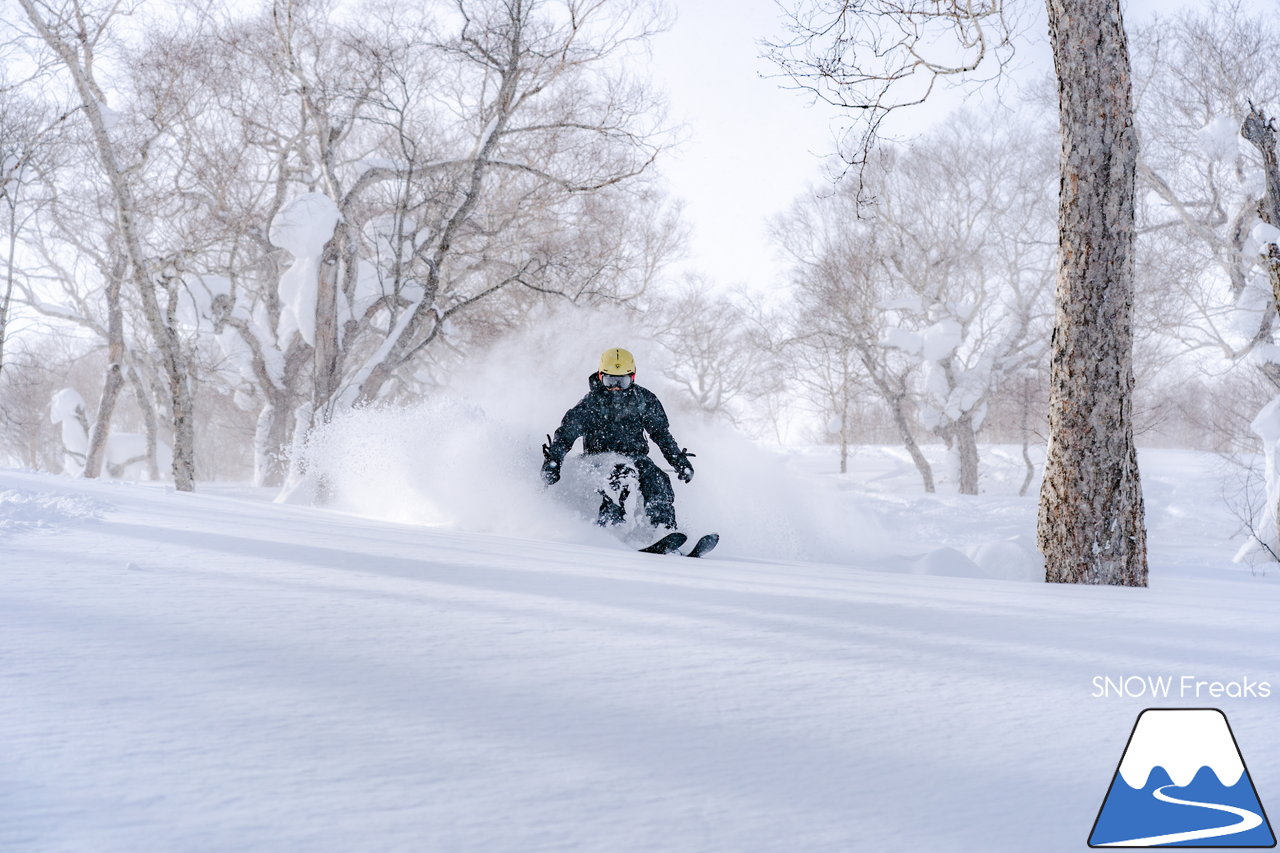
point(613, 418)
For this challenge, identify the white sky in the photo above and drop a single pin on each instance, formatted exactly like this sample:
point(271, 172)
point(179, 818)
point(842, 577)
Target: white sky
point(753, 146)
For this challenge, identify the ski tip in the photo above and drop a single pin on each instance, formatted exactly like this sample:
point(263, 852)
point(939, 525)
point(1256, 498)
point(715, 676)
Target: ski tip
point(705, 544)
point(666, 545)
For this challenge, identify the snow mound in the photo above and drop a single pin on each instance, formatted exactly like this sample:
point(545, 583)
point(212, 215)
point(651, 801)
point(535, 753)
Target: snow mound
point(946, 562)
point(23, 511)
point(1009, 559)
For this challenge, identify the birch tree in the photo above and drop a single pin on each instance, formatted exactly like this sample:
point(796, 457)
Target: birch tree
point(1204, 75)
point(74, 31)
point(840, 316)
point(717, 358)
point(538, 94)
point(1199, 74)
point(32, 136)
point(967, 265)
point(470, 150)
point(940, 286)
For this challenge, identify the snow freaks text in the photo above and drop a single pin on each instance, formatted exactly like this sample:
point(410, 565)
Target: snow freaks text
point(1177, 687)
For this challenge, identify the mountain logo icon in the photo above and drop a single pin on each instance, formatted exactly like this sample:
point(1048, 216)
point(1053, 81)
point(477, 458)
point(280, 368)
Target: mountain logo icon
point(1182, 782)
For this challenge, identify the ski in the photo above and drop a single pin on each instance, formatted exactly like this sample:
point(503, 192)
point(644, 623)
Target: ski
point(669, 544)
point(705, 544)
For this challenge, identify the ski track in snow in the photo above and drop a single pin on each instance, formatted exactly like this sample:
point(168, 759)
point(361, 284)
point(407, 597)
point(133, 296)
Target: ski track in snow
point(212, 672)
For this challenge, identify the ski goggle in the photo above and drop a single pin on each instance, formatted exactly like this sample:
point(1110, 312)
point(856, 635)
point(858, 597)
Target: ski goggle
point(616, 383)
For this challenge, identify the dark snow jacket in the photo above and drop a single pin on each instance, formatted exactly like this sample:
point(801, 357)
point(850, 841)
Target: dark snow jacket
point(616, 422)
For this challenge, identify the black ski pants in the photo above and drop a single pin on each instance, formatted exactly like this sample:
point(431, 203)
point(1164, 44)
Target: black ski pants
point(655, 489)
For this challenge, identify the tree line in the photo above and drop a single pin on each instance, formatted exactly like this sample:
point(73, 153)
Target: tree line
point(232, 225)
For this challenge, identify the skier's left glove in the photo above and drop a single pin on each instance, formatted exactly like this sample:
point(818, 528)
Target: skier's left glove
point(684, 468)
point(550, 465)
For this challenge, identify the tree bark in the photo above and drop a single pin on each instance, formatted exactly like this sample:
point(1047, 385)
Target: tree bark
point(326, 337)
point(148, 423)
point(1260, 132)
point(7, 299)
point(844, 436)
point(966, 450)
point(1026, 440)
point(897, 405)
point(111, 384)
point(272, 440)
point(1091, 511)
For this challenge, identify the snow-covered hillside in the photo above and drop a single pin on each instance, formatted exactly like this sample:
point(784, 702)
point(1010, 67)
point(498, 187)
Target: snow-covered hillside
point(216, 672)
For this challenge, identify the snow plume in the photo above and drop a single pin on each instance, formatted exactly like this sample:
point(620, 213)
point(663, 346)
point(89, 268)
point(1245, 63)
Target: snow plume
point(469, 457)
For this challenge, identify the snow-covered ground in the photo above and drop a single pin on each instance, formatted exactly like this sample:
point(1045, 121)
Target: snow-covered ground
point(217, 672)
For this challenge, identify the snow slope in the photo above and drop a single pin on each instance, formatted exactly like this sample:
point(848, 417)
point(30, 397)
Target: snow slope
point(216, 672)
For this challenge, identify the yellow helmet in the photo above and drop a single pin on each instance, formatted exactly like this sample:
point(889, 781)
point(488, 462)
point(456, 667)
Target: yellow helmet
point(617, 362)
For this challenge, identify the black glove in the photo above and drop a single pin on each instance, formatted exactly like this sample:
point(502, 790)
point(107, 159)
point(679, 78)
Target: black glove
point(550, 465)
point(684, 468)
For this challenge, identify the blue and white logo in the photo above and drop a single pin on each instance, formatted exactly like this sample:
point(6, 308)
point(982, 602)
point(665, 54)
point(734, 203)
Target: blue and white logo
point(1182, 783)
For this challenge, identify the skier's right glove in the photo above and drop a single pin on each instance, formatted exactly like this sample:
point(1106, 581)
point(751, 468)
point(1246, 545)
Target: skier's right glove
point(684, 468)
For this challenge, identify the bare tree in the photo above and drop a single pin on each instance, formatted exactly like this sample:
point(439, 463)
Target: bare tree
point(35, 145)
point(968, 259)
point(941, 285)
point(1198, 74)
point(74, 31)
point(536, 101)
point(842, 317)
point(717, 360)
point(872, 59)
point(1091, 520)
point(1204, 278)
point(469, 150)
point(29, 133)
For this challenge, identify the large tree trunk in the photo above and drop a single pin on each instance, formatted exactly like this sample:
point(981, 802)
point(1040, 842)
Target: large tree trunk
point(1260, 132)
point(1091, 512)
